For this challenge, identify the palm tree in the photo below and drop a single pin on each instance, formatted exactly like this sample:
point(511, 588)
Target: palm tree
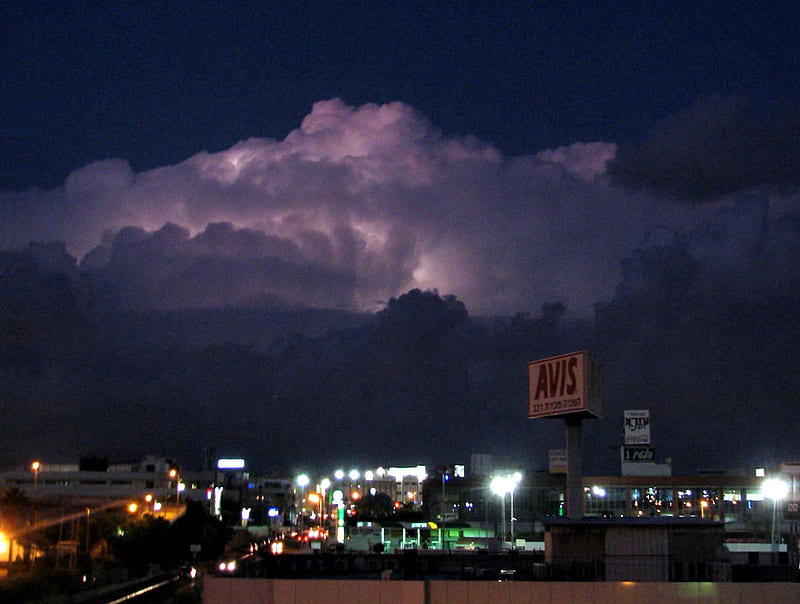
point(15, 507)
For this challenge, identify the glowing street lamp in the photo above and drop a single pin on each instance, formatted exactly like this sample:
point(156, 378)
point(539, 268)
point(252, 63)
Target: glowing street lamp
point(302, 482)
point(775, 489)
point(501, 485)
point(173, 475)
point(324, 486)
point(316, 499)
point(35, 467)
point(516, 478)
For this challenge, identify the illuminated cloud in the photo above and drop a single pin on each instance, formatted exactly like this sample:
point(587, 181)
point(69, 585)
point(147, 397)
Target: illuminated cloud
point(356, 205)
point(588, 161)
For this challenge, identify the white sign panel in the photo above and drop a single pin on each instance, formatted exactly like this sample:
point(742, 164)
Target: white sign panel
point(637, 426)
point(558, 461)
point(230, 464)
point(638, 453)
point(562, 385)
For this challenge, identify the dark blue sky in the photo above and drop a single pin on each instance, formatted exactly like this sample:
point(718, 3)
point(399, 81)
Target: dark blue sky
point(155, 82)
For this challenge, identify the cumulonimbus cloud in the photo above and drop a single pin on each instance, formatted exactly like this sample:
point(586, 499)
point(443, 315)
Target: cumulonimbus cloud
point(356, 205)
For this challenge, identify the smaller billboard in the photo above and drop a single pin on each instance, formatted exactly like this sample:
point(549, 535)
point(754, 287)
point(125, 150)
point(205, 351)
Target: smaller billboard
point(638, 453)
point(558, 461)
point(637, 426)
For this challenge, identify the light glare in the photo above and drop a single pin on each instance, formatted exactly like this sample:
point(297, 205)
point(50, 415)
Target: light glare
point(775, 489)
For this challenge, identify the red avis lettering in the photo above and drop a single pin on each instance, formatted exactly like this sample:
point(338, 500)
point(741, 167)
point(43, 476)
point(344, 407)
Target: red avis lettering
point(556, 379)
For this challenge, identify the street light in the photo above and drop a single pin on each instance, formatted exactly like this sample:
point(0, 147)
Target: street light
point(35, 467)
point(516, 478)
point(173, 474)
point(302, 482)
point(775, 489)
point(353, 493)
point(500, 486)
point(445, 479)
point(324, 485)
point(316, 498)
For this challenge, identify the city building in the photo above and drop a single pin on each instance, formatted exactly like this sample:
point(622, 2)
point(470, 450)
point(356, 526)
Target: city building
point(97, 478)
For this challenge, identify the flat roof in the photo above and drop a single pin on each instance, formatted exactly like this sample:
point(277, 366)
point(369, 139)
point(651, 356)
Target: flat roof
point(649, 521)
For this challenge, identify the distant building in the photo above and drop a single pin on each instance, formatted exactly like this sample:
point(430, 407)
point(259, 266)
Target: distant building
point(96, 478)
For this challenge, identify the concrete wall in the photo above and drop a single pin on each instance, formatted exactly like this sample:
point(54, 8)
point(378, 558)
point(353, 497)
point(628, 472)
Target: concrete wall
point(219, 590)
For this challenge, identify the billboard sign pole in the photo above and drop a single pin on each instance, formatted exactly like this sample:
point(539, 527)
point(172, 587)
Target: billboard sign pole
point(567, 386)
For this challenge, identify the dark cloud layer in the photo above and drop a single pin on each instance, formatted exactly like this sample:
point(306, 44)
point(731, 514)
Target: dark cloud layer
point(219, 268)
point(703, 329)
point(716, 147)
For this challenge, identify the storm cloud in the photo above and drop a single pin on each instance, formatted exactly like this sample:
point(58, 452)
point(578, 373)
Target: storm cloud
point(690, 307)
point(355, 206)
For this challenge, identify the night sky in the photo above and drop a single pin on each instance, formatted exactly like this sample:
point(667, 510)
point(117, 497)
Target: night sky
point(637, 164)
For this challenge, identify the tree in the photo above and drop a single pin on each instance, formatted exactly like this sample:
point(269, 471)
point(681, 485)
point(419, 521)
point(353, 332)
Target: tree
point(145, 540)
point(373, 507)
point(197, 527)
point(14, 507)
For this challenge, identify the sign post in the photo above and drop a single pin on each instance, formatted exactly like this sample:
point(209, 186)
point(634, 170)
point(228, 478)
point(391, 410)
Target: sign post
point(574, 493)
point(567, 386)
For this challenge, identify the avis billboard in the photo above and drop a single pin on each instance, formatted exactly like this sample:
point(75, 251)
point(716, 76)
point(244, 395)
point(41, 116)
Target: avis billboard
point(564, 385)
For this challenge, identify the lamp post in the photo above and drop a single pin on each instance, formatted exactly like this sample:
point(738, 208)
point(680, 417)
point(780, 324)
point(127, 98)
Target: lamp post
point(316, 499)
point(516, 478)
point(173, 474)
point(445, 479)
point(302, 482)
point(775, 489)
point(500, 486)
point(324, 485)
point(88, 516)
point(35, 467)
